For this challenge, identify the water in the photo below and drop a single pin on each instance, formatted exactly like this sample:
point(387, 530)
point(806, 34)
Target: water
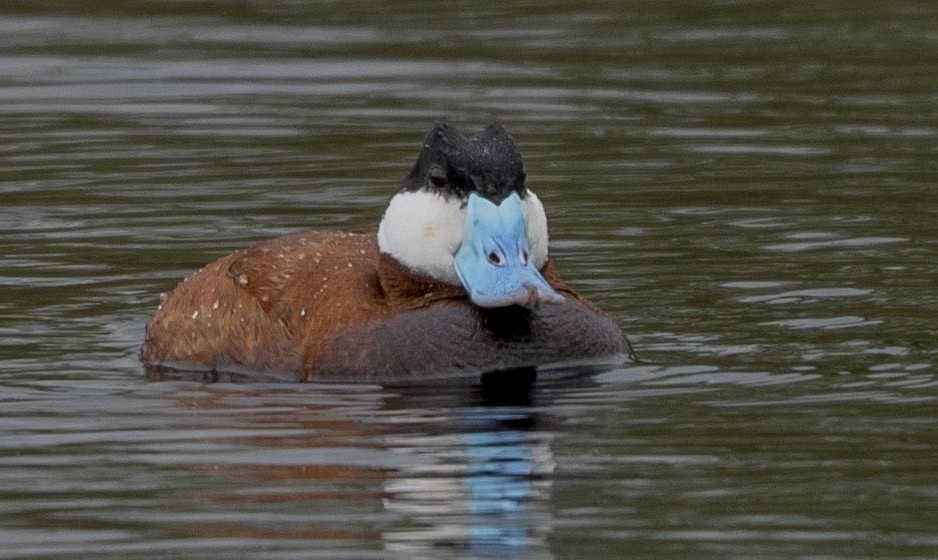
point(748, 188)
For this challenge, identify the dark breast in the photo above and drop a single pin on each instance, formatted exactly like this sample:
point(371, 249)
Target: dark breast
point(452, 338)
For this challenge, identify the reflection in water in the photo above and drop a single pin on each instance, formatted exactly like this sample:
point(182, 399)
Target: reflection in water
point(487, 491)
point(453, 472)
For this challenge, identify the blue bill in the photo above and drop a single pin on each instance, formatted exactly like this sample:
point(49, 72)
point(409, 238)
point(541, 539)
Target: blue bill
point(493, 262)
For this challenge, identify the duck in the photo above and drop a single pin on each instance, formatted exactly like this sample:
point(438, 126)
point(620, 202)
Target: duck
point(456, 280)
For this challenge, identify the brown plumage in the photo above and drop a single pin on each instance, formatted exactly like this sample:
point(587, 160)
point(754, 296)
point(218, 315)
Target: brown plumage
point(318, 305)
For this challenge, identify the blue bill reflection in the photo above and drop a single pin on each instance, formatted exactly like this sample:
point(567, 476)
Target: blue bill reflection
point(487, 491)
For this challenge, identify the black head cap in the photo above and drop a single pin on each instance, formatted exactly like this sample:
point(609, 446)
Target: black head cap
point(488, 163)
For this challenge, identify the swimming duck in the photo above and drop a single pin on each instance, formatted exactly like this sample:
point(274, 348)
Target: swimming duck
point(456, 279)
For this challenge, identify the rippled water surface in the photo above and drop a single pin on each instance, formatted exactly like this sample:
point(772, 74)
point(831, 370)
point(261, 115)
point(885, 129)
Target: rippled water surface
point(748, 188)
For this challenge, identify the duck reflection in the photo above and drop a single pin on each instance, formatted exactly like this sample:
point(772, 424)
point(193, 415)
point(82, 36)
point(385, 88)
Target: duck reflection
point(420, 472)
point(488, 490)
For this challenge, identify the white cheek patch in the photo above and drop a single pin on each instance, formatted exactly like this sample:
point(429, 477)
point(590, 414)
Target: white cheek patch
point(423, 230)
point(538, 238)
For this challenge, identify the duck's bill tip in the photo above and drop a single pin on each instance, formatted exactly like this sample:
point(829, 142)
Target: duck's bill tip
point(503, 288)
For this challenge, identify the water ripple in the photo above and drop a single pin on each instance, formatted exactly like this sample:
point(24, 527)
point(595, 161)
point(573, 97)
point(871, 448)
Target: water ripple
point(853, 242)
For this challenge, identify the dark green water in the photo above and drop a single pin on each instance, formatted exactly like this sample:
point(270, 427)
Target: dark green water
point(750, 189)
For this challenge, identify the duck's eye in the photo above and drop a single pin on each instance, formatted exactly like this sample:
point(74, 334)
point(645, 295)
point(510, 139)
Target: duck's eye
point(437, 176)
point(494, 258)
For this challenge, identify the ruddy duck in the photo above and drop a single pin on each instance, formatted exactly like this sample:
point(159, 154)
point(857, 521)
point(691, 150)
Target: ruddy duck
point(455, 280)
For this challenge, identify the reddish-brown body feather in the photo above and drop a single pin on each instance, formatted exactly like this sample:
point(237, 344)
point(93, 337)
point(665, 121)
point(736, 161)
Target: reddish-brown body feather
point(329, 304)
